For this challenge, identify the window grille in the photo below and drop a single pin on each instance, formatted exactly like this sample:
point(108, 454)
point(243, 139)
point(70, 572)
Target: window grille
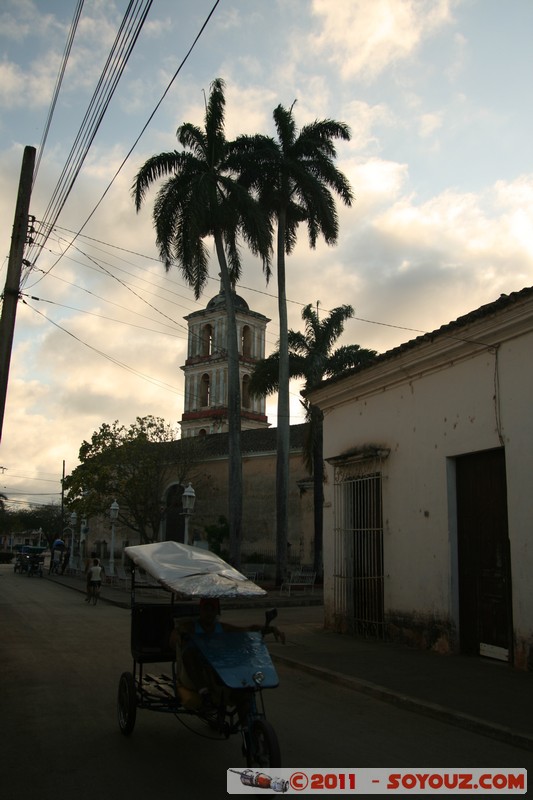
point(358, 552)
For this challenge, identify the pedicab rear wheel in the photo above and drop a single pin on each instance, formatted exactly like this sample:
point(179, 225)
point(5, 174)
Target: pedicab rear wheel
point(262, 746)
point(126, 703)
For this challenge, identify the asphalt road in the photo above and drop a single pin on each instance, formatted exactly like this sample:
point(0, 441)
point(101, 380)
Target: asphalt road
point(61, 662)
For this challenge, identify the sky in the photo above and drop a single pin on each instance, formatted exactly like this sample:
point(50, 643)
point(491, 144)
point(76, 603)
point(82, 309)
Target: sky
point(437, 94)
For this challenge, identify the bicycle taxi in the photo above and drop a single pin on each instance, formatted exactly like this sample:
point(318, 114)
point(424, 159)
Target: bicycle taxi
point(29, 560)
point(240, 661)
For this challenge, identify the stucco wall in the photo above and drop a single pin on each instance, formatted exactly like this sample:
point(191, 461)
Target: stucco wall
point(259, 508)
point(425, 419)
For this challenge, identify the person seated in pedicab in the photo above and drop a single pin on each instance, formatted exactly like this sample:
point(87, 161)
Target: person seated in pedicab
point(197, 679)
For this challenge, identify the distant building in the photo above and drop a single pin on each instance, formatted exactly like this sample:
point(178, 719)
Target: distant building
point(205, 416)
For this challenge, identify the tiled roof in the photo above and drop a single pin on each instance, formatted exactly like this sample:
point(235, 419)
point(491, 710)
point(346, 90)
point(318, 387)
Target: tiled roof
point(451, 328)
point(257, 440)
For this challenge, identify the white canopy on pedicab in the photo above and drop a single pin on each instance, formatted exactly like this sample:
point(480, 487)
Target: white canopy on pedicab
point(191, 571)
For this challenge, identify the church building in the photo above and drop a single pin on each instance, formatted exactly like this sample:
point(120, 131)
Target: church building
point(206, 368)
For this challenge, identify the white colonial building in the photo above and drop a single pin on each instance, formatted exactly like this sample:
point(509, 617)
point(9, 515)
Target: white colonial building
point(428, 530)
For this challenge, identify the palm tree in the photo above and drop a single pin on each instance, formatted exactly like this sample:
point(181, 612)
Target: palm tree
point(294, 178)
point(311, 358)
point(201, 198)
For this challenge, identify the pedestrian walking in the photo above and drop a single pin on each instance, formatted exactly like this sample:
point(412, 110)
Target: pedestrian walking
point(94, 581)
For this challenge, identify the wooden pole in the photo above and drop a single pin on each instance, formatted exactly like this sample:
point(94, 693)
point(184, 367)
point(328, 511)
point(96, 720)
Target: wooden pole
point(14, 270)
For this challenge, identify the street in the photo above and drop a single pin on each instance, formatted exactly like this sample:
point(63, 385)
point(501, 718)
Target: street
point(62, 660)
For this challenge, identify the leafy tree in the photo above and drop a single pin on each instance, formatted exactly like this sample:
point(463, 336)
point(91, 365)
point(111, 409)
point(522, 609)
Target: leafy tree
point(312, 359)
point(201, 198)
point(132, 465)
point(47, 518)
point(295, 178)
point(216, 534)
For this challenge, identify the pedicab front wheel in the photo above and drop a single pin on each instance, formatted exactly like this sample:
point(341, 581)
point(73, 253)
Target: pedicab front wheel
point(262, 746)
point(126, 703)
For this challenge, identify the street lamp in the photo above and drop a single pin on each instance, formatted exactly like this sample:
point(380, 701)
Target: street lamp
point(113, 513)
point(188, 499)
point(73, 522)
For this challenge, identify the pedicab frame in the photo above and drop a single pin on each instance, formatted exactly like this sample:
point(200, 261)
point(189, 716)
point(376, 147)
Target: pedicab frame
point(29, 559)
point(240, 660)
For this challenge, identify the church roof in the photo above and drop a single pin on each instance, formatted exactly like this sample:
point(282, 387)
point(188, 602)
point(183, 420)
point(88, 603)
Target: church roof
point(255, 440)
point(219, 301)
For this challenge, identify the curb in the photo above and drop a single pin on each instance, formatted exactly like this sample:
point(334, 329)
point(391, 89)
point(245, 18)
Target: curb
point(81, 590)
point(406, 702)
point(491, 729)
point(229, 604)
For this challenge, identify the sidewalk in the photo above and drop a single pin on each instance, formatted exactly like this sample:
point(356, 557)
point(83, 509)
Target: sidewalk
point(484, 696)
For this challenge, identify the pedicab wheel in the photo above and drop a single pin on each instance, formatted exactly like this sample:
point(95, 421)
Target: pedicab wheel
point(126, 703)
point(263, 746)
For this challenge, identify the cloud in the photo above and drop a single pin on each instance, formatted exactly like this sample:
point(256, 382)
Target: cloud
point(363, 119)
point(362, 39)
point(429, 123)
point(405, 261)
point(20, 88)
point(21, 19)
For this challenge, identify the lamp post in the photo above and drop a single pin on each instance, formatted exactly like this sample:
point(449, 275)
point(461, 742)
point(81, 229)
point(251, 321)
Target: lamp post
point(73, 522)
point(113, 513)
point(188, 499)
point(84, 530)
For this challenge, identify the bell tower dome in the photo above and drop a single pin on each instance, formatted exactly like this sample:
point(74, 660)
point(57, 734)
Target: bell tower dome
point(206, 369)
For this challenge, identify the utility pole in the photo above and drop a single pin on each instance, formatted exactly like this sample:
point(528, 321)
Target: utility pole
point(14, 270)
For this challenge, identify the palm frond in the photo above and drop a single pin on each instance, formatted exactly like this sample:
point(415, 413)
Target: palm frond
point(155, 168)
point(348, 357)
point(214, 123)
point(264, 379)
point(332, 326)
point(285, 127)
point(192, 137)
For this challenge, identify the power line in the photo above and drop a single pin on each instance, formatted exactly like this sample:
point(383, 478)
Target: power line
point(31, 494)
point(263, 292)
point(145, 125)
point(59, 81)
point(121, 50)
point(113, 360)
point(101, 316)
point(30, 502)
point(31, 478)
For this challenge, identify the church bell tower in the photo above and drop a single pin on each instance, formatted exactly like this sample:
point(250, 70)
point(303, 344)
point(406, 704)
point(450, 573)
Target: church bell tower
point(206, 369)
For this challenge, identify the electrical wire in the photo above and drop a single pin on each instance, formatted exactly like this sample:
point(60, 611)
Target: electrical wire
point(101, 353)
point(57, 88)
point(102, 316)
point(121, 50)
point(263, 292)
point(180, 67)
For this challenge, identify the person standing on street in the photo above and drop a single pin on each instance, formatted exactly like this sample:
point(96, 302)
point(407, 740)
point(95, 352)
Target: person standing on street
point(94, 581)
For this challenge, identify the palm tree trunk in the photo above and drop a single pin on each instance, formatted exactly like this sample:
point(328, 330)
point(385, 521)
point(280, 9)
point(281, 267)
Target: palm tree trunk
point(283, 430)
point(234, 414)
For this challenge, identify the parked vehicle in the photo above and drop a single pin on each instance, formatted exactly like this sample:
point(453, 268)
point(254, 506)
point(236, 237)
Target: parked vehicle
point(29, 560)
point(240, 660)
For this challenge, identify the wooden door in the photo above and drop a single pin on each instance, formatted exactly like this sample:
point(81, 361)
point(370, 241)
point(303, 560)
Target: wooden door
point(485, 614)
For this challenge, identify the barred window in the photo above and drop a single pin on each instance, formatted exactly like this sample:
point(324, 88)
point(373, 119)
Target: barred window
point(358, 568)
